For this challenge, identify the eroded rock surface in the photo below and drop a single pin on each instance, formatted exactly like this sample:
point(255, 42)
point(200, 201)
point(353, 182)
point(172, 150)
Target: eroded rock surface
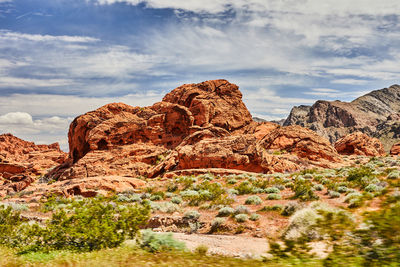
point(21, 162)
point(359, 144)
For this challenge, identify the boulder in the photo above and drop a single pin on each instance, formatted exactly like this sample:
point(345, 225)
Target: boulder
point(395, 150)
point(359, 144)
point(300, 141)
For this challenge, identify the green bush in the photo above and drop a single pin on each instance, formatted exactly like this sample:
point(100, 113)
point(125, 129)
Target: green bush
point(241, 217)
point(242, 209)
point(373, 188)
point(176, 200)
point(254, 217)
point(303, 190)
point(253, 200)
point(272, 190)
point(274, 196)
point(192, 215)
point(359, 176)
point(334, 194)
point(10, 222)
point(318, 187)
point(290, 208)
point(91, 224)
point(216, 224)
point(244, 188)
point(225, 211)
point(155, 242)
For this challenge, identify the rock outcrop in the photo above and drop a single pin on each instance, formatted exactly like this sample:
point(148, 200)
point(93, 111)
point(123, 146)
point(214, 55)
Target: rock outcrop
point(359, 144)
point(375, 114)
point(196, 126)
point(22, 161)
point(395, 150)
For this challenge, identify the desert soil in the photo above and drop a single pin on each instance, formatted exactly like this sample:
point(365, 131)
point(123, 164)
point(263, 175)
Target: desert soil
point(235, 246)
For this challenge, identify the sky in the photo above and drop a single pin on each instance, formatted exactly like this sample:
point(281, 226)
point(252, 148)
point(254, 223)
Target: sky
point(62, 58)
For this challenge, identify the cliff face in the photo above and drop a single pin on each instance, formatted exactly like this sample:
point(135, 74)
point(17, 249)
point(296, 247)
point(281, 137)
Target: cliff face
point(376, 114)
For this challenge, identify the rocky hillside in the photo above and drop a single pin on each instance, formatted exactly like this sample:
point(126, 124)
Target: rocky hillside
point(376, 114)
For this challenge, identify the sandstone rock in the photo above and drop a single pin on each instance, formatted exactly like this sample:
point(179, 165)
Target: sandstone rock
point(395, 150)
point(359, 144)
point(196, 126)
point(368, 114)
point(212, 102)
point(90, 187)
point(21, 161)
point(302, 142)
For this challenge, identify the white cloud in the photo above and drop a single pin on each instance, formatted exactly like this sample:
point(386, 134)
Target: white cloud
point(326, 7)
point(68, 106)
point(16, 118)
point(14, 36)
point(29, 82)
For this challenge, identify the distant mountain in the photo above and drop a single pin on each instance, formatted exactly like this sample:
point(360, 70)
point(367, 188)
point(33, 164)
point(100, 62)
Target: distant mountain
point(376, 114)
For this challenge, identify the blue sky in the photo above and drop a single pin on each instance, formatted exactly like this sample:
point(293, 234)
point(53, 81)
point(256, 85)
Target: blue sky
point(59, 59)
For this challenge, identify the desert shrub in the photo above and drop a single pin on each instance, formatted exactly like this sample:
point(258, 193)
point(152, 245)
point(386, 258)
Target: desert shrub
point(253, 200)
point(342, 189)
point(225, 211)
point(155, 242)
point(242, 209)
point(303, 225)
point(201, 250)
point(206, 177)
point(206, 191)
point(186, 181)
point(216, 224)
point(168, 207)
point(318, 187)
point(395, 174)
point(176, 200)
point(172, 187)
point(192, 215)
point(272, 190)
point(129, 198)
point(373, 188)
point(232, 191)
point(232, 181)
point(244, 188)
point(90, 224)
point(241, 217)
point(274, 196)
point(257, 190)
point(9, 223)
point(16, 206)
point(374, 244)
point(334, 194)
point(290, 208)
point(359, 176)
point(272, 208)
point(254, 217)
point(303, 190)
point(156, 197)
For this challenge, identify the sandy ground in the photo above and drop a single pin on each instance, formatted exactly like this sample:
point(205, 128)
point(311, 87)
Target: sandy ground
point(235, 246)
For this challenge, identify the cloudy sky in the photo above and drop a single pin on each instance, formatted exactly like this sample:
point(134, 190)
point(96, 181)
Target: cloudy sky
point(61, 58)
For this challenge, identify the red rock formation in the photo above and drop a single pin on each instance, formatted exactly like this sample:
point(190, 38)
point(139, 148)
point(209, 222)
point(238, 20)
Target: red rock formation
point(196, 126)
point(395, 150)
point(359, 144)
point(212, 102)
point(302, 142)
point(21, 161)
